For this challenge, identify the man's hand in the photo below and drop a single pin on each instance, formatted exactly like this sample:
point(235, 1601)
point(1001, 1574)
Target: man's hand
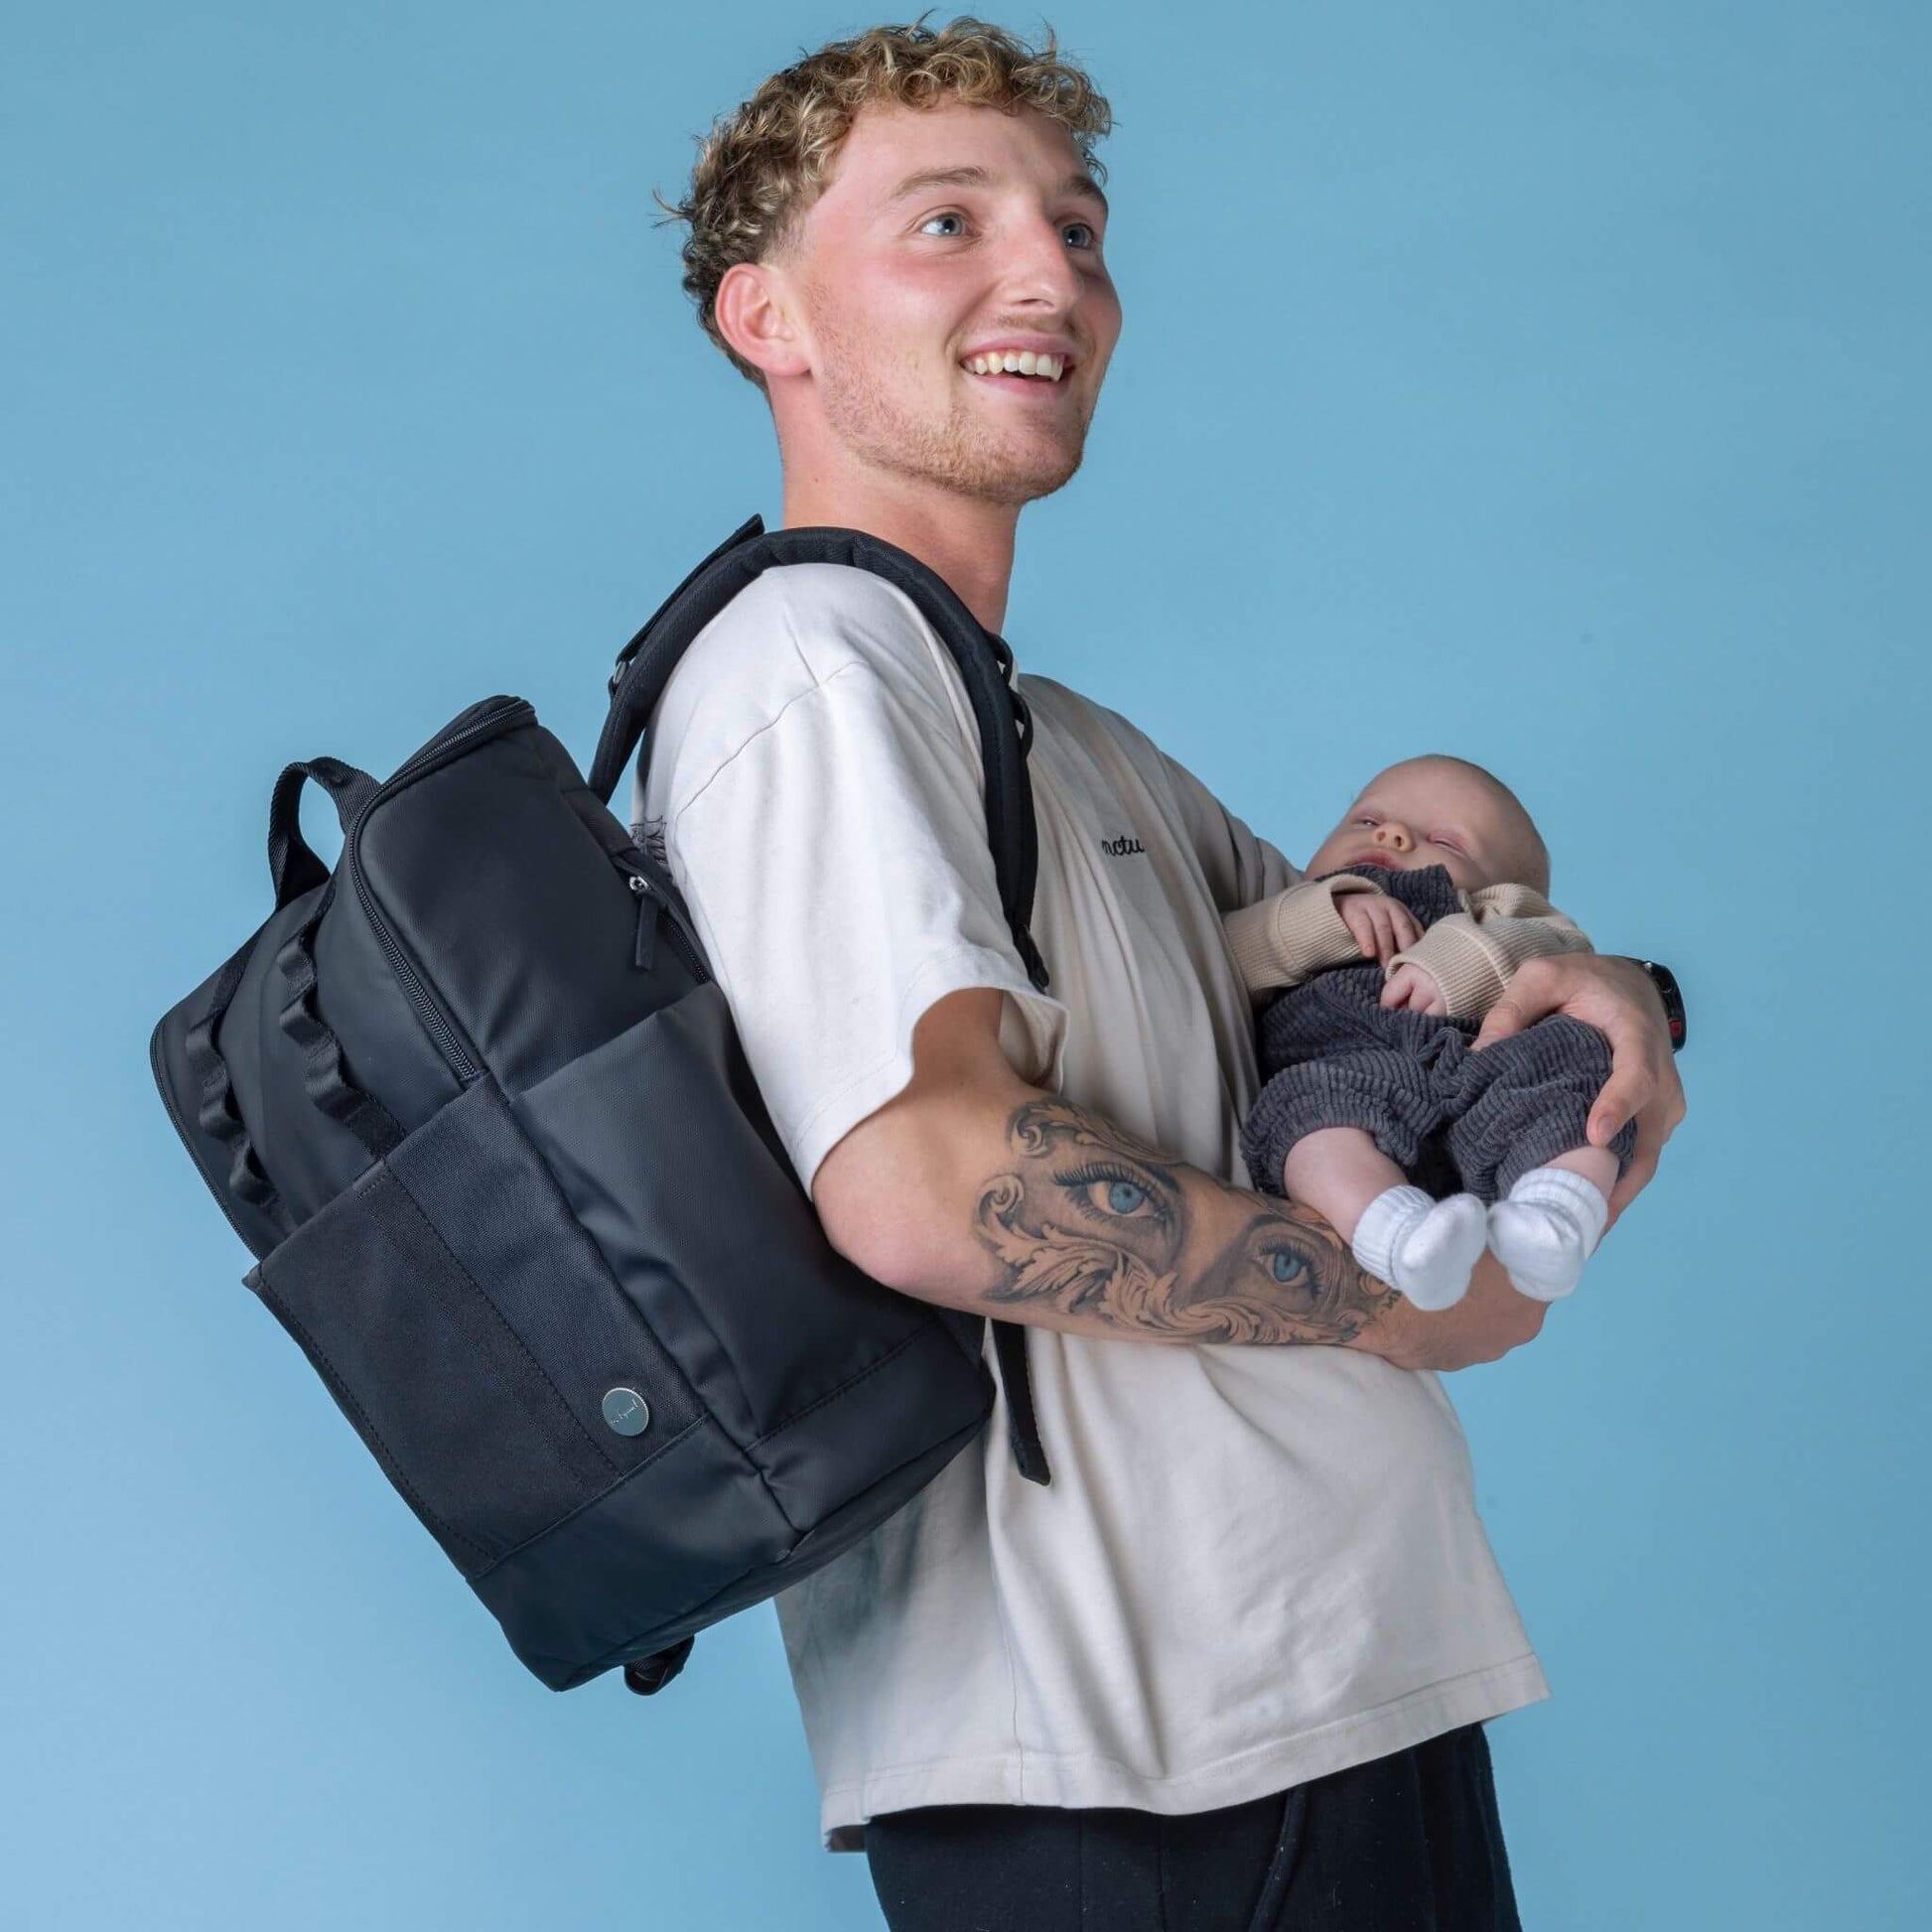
point(1489, 1321)
point(1614, 996)
point(1414, 987)
point(1381, 926)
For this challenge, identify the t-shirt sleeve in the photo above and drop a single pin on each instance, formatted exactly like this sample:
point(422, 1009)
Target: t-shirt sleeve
point(1242, 868)
point(837, 869)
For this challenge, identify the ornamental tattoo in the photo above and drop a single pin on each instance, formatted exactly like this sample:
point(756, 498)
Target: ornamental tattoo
point(1095, 1222)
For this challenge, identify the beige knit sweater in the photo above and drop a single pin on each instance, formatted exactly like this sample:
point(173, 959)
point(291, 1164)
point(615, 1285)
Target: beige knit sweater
point(1472, 954)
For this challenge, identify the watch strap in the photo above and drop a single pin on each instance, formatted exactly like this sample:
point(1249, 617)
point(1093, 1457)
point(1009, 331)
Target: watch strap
point(1672, 994)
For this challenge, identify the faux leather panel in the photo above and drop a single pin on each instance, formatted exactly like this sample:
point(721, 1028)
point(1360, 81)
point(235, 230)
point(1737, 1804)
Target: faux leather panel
point(753, 1585)
point(673, 1534)
point(890, 1416)
point(663, 1148)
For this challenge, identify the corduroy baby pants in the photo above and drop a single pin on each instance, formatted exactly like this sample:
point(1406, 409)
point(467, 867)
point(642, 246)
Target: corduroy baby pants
point(1334, 1056)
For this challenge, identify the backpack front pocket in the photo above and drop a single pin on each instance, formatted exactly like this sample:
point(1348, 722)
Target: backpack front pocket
point(472, 1334)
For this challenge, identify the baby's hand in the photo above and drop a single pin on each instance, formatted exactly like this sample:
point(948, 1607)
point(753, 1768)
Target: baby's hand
point(1381, 926)
point(1410, 986)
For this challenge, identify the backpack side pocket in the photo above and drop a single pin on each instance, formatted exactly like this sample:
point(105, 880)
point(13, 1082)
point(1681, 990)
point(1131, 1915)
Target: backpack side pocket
point(472, 1336)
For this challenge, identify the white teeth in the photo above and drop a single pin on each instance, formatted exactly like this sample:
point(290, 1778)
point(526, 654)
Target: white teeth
point(1015, 361)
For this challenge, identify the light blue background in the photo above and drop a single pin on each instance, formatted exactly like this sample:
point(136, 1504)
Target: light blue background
point(1544, 383)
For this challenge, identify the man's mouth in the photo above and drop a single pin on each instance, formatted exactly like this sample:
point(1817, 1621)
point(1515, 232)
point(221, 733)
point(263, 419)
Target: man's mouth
point(1026, 362)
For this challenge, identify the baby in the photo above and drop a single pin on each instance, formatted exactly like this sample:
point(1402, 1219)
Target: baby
point(1416, 912)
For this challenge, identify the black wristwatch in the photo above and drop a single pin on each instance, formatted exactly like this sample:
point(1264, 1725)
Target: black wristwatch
point(1672, 994)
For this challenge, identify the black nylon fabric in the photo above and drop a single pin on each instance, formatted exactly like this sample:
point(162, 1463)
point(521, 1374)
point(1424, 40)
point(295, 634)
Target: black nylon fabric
point(476, 1106)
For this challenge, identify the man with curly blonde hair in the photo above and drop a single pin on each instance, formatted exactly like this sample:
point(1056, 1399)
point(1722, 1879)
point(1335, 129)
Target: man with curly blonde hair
point(1230, 1667)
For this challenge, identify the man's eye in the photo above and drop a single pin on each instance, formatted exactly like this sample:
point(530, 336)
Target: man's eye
point(930, 226)
point(1285, 1266)
point(1078, 235)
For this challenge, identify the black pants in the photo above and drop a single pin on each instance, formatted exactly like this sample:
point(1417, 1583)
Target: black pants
point(1405, 1844)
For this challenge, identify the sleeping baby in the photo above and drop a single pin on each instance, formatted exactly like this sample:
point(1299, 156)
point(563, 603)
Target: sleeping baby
point(1415, 913)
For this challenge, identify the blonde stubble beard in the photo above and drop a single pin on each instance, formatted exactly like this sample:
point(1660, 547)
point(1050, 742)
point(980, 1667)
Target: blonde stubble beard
point(860, 399)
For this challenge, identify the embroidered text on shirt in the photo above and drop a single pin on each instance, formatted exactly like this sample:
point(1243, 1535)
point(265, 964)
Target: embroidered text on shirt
point(1122, 847)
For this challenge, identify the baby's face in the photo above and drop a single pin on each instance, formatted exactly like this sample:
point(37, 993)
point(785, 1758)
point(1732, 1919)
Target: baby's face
point(1416, 815)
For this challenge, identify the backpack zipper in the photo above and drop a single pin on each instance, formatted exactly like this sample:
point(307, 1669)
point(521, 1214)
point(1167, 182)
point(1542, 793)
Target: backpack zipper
point(654, 905)
point(504, 715)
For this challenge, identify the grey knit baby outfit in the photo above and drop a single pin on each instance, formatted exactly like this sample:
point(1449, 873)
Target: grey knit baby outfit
point(1334, 1057)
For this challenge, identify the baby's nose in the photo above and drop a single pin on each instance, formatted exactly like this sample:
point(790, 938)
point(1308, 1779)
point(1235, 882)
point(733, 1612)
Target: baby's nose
point(1396, 837)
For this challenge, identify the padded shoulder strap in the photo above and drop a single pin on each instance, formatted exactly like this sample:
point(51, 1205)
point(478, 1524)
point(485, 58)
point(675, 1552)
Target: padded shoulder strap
point(646, 664)
point(1006, 729)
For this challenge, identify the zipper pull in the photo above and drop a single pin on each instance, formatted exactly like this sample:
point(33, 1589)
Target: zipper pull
point(649, 909)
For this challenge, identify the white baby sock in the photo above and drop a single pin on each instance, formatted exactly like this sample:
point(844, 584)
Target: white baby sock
point(1424, 1247)
point(1546, 1230)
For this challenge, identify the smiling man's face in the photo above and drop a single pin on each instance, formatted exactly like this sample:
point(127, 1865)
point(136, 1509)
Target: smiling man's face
point(948, 237)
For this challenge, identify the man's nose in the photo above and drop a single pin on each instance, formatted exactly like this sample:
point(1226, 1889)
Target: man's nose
point(1038, 268)
point(1395, 837)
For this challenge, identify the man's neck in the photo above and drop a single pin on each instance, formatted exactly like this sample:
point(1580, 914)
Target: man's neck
point(967, 542)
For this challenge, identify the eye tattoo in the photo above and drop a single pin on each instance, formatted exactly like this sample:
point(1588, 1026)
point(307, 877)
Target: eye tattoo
point(1285, 1266)
point(1121, 1196)
point(1087, 1219)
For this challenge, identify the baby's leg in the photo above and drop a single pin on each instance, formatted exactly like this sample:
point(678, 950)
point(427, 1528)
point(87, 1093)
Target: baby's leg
point(1596, 1164)
point(1522, 1138)
point(1424, 1247)
point(1551, 1220)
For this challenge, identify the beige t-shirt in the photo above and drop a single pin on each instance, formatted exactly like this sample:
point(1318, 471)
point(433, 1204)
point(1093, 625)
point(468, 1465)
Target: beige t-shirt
point(1254, 1565)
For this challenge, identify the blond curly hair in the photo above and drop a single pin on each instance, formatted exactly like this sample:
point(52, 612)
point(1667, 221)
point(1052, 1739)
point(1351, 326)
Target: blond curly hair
point(761, 166)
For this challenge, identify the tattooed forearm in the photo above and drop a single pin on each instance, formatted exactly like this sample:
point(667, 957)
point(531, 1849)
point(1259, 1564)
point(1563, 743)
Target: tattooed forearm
point(1096, 1223)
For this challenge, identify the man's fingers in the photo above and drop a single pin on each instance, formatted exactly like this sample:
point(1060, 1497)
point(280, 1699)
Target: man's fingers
point(1632, 1087)
point(1672, 1098)
point(1506, 1017)
point(1622, 1099)
point(1636, 1176)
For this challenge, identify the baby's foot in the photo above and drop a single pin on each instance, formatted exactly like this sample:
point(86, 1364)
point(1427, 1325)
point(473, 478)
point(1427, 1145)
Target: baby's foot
point(1546, 1230)
point(1424, 1247)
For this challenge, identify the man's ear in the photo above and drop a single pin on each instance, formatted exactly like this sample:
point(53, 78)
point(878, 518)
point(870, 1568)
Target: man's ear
point(756, 313)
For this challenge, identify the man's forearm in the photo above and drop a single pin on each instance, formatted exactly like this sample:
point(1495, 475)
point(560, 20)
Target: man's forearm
point(1045, 1213)
point(976, 1191)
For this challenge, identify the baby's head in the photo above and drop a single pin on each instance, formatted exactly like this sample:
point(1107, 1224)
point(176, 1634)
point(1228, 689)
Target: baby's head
point(1440, 811)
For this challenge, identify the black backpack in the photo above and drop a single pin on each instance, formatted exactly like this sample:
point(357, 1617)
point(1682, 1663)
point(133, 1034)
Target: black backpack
point(478, 1107)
